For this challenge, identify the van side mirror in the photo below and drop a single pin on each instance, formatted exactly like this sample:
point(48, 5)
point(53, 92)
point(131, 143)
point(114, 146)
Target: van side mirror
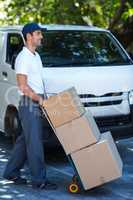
point(13, 61)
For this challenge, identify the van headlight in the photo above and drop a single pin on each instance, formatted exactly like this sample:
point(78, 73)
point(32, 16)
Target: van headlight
point(131, 97)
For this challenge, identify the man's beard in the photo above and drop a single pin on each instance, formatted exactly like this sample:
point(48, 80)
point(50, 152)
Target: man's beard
point(38, 44)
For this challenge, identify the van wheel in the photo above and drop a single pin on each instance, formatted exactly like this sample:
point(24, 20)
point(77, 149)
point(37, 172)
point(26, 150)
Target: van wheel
point(12, 125)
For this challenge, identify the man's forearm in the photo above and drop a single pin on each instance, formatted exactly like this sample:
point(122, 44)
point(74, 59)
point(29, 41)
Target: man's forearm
point(27, 91)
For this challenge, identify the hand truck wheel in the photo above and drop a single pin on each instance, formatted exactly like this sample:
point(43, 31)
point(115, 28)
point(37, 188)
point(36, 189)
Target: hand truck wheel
point(73, 188)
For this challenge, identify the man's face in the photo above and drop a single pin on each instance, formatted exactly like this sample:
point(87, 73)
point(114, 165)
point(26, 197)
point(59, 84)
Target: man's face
point(36, 38)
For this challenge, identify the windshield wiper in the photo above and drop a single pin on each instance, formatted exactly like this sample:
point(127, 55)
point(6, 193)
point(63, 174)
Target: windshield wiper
point(69, 64)
point(116, 62)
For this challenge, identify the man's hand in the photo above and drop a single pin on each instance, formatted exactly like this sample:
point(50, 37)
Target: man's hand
point(42, 102)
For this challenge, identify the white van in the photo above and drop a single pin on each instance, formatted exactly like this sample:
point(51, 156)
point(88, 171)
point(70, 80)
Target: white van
point(89, 58)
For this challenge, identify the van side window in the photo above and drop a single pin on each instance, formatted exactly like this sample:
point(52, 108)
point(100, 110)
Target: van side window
point(14, 46)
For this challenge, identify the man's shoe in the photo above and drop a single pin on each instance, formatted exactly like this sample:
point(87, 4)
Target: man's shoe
point(17, 180)
point(46, 186)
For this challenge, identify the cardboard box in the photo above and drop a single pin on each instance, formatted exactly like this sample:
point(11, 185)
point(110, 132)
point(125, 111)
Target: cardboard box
point(99, 163)
point(78, 133)
point(64, 107)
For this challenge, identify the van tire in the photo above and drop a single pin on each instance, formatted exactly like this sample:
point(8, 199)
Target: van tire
point(12, 125)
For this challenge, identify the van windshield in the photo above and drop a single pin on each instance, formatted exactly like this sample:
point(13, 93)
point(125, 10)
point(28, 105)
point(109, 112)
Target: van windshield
point(80, 48)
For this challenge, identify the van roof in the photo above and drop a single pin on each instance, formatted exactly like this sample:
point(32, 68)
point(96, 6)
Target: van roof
point(55, 27)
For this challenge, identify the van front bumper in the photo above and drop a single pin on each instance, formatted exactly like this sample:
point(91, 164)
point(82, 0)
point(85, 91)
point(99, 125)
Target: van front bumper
point(120, 126)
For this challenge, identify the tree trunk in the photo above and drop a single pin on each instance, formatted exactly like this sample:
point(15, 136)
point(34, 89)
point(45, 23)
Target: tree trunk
point(118, 14)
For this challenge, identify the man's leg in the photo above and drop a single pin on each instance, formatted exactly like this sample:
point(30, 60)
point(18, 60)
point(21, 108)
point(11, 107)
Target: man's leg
point(17, 159)
point(33, 128)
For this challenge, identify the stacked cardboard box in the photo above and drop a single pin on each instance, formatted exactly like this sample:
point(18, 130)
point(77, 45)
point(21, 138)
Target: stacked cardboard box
point(94, 156)
point(74, 127)
point(64, 107)
point(99, 163)
point(78, 133)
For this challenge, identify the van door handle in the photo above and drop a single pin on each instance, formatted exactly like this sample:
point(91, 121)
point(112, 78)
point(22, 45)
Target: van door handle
point(5, 74)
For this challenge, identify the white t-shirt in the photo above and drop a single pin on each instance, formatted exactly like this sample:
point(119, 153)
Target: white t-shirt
point(30, 64)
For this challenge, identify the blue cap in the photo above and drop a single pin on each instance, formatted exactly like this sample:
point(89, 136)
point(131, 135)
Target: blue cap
point(30, 27)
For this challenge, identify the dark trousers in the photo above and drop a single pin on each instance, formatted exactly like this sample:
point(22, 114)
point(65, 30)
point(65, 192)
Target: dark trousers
point(29, 144)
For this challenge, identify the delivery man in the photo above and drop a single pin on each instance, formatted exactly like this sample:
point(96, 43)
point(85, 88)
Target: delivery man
point(28, 68)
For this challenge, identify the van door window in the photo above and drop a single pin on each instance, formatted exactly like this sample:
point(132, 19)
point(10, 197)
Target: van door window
point(14, 46)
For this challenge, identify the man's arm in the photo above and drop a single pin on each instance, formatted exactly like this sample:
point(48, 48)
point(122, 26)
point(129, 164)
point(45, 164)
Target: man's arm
point(26, 89)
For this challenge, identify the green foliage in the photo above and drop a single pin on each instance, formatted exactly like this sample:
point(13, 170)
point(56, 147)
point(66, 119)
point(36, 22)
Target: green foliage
point(103, 13)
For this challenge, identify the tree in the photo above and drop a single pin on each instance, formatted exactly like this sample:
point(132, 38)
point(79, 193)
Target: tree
point(98, 12)
point(112, 14)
